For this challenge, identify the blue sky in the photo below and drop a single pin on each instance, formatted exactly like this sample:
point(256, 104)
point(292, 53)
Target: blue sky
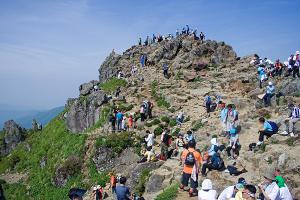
point(48, 48)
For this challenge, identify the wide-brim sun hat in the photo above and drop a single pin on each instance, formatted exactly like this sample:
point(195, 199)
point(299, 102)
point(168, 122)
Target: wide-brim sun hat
point(297, 52)
point(206, 184)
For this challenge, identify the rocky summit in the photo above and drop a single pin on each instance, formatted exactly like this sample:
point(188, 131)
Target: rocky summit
point(89, 148)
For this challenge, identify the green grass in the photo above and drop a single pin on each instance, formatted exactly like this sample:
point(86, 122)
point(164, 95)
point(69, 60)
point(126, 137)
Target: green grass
point(15, 191)
point(143, 179)
point(179, 75)
point(111, 85)
point(118, 142)
point(169, 193)
point(158, 130)
point(57, 144)
point(197, 125)
point(160, 99)
point(97, 178)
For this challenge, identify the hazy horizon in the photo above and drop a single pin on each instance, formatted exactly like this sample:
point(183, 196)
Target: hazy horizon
point(49, 48)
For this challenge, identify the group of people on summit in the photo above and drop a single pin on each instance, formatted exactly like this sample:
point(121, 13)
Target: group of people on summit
point(186, 31)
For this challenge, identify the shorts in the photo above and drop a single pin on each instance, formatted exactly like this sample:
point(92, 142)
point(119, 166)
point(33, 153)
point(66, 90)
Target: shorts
point(186, 178)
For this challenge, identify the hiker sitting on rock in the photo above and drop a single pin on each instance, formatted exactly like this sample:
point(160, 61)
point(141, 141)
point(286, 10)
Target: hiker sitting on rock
point(180, 118)
point(294, 117)
point(148, 156)
point(268, 128)
point(192, 160)
point(269, 189)
point(283, 189)
point(231, 118)
point(215, 163)
point(270, 91)
point(231, 191)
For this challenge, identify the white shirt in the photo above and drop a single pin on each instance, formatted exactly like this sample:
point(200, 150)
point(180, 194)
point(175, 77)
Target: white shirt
point(227, 193)
point(149, 140)
point(272, 191)
point(209, 195)
point(285, 193)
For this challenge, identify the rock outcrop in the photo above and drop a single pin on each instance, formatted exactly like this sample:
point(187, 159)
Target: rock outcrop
point(13, 135)
point(84, 112)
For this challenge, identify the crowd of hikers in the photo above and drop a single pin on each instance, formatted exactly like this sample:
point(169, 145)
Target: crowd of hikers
point(185, 31)
point(183, 145)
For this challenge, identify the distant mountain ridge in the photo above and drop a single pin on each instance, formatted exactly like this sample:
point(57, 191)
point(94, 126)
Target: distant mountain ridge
point(24, 117)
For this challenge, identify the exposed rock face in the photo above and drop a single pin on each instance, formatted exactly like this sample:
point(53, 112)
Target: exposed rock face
point(291, 88)
point(136, 172)
point(86, 88)
point(84, 112)
point(64, 171)
point(181, 52)
point(14, 134)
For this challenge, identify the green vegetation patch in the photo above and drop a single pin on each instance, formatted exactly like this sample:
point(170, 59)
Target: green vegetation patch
point(56, 144)
point(197, 125)
point(111, 85)
point(143, 179)
point(119, 142)
point(169, 193)
point(160, 99)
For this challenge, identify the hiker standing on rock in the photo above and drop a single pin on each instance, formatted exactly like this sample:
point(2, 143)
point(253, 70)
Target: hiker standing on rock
point(207, 101)
point(270, 92)
point(165, 70)
point(140, 41)
point(202, 37)
point(295, 64)
point(165, 142)
point(191, 160)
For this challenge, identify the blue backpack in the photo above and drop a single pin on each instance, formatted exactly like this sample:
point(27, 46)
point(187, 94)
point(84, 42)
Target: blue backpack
point(274, 126)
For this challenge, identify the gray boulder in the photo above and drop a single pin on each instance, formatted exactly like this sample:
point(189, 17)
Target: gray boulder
point(86, 88)
point(291, 88)
point(13, 135)
point(137, 171)
point(109, 67)
point(84, 112)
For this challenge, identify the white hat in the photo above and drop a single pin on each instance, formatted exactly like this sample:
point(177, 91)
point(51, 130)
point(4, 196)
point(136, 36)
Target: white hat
point(297, 52)
point(213, 141)
point(270, 83)
point(207, 184)
point(94, 188)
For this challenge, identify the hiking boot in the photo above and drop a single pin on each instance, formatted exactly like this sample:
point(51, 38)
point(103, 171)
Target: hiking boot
point(292, 134)
point(259, 143)
point(284, 133)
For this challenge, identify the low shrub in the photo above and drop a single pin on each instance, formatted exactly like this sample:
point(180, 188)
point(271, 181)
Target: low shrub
point(118, 142)
point(197, 126)
point(173, 122)
point(158, 131)
point(165, 119)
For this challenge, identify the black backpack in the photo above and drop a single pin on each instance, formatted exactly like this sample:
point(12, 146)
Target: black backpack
point(291, 62)
point(166, 139)
point(190, 159)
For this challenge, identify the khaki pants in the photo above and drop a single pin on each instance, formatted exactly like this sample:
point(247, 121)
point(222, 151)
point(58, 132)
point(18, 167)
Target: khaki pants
point(290, 124)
